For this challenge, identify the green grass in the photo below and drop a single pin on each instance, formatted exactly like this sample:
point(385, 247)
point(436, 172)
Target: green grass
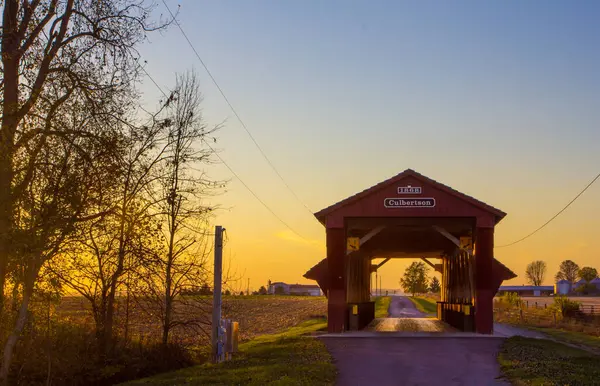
point(536, 362)
point(425, 305)
point(286, 358)
point(382, 303)
point(571, 337)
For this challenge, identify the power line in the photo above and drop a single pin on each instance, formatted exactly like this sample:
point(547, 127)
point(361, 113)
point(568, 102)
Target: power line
point(232, 171)
point(235, 111)
point(553, 217)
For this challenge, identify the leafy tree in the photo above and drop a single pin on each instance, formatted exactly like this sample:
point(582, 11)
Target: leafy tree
point(513, 299)
point(568, 270)
point(241, 293)
point(535, 272)
point(586, 289)
point(588, 273)
point(58, 56)
point(227, 293)
point(262, 290)
point(566, 306)
point(415, 278)
point(435, 286)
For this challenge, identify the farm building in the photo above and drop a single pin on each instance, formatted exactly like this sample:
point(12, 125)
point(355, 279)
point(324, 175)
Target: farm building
point(562, 287)
point(527, 290)
point(596, 282)
point(294, 289)
point(579, 283)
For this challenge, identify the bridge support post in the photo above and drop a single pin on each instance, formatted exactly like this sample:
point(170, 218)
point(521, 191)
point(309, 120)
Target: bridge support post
point(337, 309)
point(484, 293)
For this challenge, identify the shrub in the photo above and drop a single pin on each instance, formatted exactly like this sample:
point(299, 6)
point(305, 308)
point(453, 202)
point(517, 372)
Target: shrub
point(513, 299)
point(566, 306)
point(66, 354)
point(586, 289)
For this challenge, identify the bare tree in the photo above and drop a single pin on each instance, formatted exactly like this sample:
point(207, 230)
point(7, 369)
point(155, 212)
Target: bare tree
point(535, 272)
point(58, 197)
point(181, 192)
point(57, 55)
point(568, 270)
point(119, 242)
point(55, 51)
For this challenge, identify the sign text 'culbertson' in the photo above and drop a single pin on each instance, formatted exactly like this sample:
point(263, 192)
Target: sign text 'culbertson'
point(409, 190)
point(409, 202)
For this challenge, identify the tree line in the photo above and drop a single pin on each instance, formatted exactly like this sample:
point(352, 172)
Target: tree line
point(99, 197)
point(568, 270)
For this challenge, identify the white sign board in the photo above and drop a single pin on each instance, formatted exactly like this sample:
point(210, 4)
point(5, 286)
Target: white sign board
point(404, 202)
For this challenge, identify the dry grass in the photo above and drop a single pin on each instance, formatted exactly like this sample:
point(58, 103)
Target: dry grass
point(257, 315)
point(546, 301)
point(546, 318)
point(526, 361)
point(286, 358)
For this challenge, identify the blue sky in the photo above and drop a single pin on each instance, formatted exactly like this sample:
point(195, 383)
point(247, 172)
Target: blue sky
point(500, 100)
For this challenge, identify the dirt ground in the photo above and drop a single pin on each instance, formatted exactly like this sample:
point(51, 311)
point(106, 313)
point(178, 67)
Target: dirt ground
point(256, 315)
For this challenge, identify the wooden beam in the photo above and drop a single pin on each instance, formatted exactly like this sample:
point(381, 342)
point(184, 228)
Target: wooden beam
point(407, 255)
point(428, 262)
point(375, 267)
point(371, 234)
point(383, 262)
point(447, 235)
point(368, 237)
point(451, 237)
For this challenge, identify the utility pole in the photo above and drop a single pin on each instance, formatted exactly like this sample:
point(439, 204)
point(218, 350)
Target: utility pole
point(376, 280)
point(380, 286)
point(248, 288)
point(217, 347)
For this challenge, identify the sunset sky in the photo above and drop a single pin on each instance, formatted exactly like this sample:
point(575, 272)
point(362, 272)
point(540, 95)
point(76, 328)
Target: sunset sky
point(500, 100)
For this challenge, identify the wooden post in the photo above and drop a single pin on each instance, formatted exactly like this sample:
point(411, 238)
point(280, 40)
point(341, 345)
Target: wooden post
point(484, 255)
point(336, 261)
point(217, 348)
point(357, 280)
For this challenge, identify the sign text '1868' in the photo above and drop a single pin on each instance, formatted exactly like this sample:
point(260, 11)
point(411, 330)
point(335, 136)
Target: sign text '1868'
point(409, 190)
point(409, 202)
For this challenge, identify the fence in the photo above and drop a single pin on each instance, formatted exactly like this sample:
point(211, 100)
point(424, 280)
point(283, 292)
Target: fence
point(590, 309)
point(585, 320)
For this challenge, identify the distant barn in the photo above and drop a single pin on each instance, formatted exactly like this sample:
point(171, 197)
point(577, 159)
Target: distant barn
point(282, 288)
point(527, 290)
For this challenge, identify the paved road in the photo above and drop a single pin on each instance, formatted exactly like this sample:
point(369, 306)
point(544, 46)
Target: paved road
point(384, 360)
point(403, 307)
point(416, 361)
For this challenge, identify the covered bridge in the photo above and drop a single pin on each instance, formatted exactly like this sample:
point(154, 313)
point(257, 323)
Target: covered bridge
point(411, 216)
